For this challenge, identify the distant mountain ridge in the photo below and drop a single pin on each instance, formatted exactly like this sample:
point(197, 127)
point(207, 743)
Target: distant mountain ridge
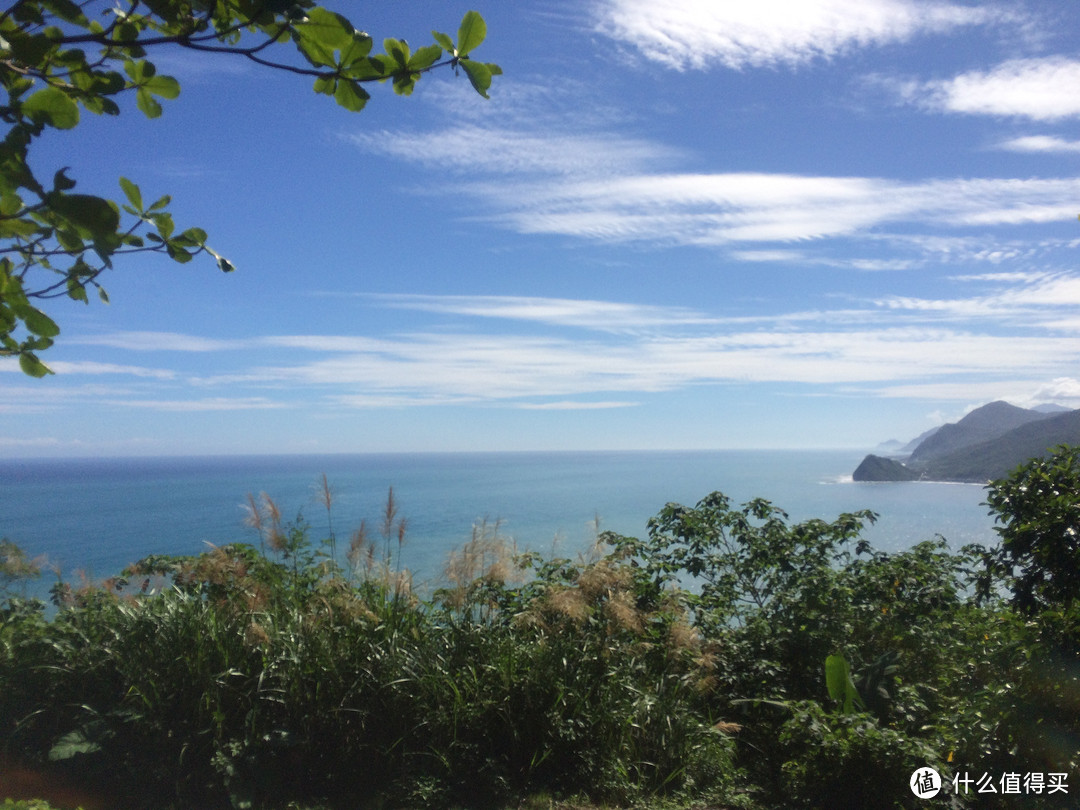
point(982, 424)
point(986, 444)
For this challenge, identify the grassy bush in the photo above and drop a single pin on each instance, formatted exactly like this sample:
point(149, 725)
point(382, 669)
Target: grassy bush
point(688, 665)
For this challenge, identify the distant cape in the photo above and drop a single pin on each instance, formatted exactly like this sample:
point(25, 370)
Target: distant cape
point(986, 444)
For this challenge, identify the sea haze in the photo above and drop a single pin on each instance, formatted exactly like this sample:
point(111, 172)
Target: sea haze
point(98, 515)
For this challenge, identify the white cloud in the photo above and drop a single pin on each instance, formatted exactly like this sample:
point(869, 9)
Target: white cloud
point(717, 209)
point(598, 185)
point(573, 405)
point(323, 343)
point(92, 367)
point(879, 265)
point(441, 369)
point(1062, 391)
point(474, 148)
point(696, 34)
point(600, 315)
point(1046, 89)
point(1034, 300)
point(1022, 277)
point(198, 405)
point(1024, 393)
point(768, 255)
point(156, 341)
point(1016, 329)
point(1039, 143)
point(963, 389)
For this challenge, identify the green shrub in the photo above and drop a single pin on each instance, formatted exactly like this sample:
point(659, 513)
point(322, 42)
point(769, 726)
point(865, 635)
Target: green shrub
point(848, 761)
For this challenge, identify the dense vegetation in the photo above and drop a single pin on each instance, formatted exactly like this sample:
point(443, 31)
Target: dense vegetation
point(728, 659)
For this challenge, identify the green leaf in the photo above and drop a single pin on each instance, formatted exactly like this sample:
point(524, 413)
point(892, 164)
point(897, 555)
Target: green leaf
point(479, 75)
point(90, 215)
point(131, 191)
point(471, 32)
point(425, 57)
point(177, 253)
point(66, 10)
point(147, 103)
point(445, 41)
point(316, 53)
point(841, 687)
point(359, 47)
point(224, 265)
point(139, 72)
point(405, 83)
point(76, 291)
point(351, 95)
point(39, 323)
point(17, 227)
point(53, 107)
point(164, 86)
point(330, 30)
point(324, 32)
point(35, 368)
point(398, 50)
point(837, 675)
point(74, 743)
point(195, 237)
point(10, 204)
point(61, 182)
point(29, 50)
point(70, 241)
point(164, 224)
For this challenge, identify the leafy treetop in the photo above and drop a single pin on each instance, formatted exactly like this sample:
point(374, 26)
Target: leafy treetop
point(1038, 507)
point(58, 58)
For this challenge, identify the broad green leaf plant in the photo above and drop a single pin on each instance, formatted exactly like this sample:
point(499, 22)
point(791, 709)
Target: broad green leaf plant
point(59, 58)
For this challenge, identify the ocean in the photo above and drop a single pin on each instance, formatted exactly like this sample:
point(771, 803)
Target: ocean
point(92, 517)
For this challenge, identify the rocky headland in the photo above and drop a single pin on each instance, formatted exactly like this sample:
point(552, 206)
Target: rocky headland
point(986, 444)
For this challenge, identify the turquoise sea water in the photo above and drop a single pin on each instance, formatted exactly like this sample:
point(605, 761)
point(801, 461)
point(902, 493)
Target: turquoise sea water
point(98, 515)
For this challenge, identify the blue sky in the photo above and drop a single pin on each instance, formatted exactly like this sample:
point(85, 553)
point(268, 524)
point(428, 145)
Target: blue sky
point(674, 225)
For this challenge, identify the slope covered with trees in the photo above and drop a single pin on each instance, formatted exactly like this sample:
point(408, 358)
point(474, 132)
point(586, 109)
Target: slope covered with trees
point(984, 445)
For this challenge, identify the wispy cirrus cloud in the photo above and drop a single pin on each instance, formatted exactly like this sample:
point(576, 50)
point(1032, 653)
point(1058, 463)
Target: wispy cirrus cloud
point(515, 151)
point(1042, 89)
point(1039, 143)
point(439, 369)
point(601, 315)
point(702, 33)
point(1008, 328)
point(718, 209)
point(95, 368)
point(574, 405)
point(1038, 298)
point(155, 341)
point(588, 180)
point(201, 404)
